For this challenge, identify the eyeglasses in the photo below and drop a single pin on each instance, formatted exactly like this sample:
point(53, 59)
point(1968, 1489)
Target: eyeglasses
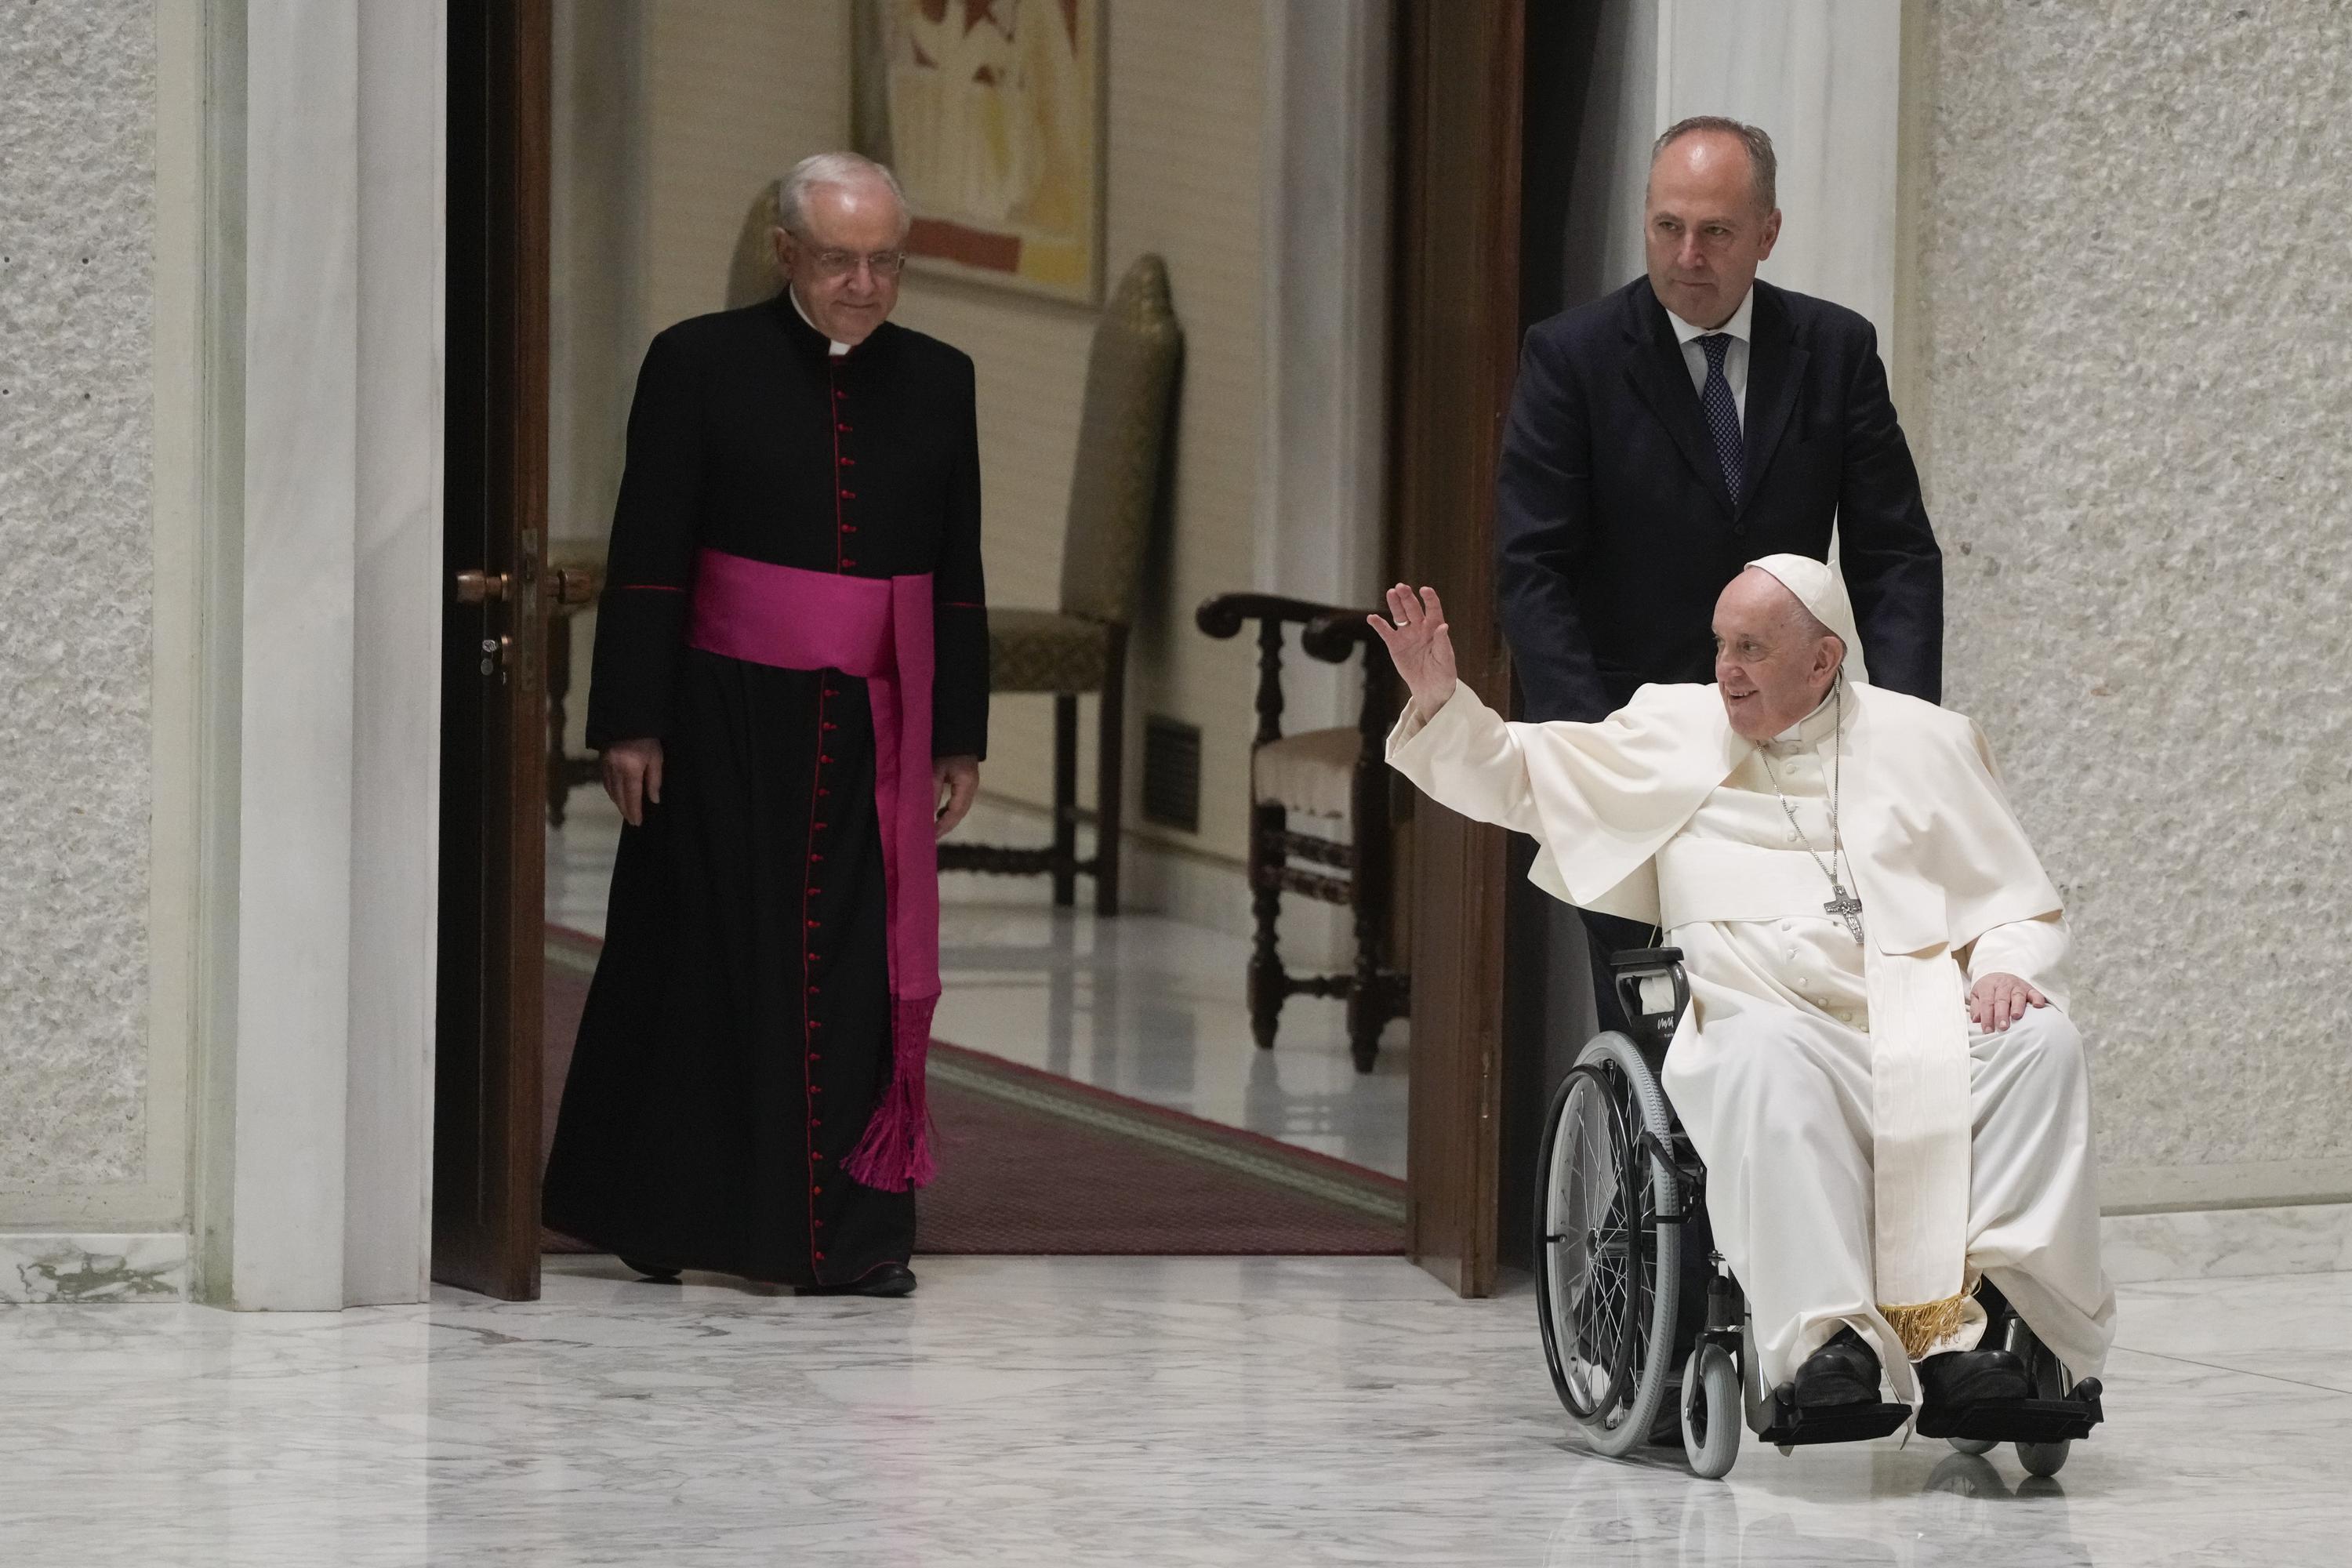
point(842, 263)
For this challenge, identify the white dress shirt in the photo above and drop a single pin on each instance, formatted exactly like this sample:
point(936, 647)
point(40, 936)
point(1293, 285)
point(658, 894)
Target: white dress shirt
point(1734, 359)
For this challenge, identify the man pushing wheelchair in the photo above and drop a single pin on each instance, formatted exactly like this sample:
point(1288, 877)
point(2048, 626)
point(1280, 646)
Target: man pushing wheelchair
point(1876, 1066)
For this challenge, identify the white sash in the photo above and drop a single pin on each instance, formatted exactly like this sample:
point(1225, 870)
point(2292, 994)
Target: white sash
point(1918, 1076)
point(1919, 1131)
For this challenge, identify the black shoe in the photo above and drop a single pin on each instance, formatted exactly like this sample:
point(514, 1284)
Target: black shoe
point(1843, 1372)
point(1957, 1379)
point(651, 1273)
point(886, 1279)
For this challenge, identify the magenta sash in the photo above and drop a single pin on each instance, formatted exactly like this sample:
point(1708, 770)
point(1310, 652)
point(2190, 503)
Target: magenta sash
point(879, 628)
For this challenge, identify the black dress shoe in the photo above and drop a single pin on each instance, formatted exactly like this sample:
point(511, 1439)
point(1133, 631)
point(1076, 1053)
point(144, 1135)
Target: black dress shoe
point(887, 1279)
point(1843, 1372)
point(651, 1273)
point(1960, 1378)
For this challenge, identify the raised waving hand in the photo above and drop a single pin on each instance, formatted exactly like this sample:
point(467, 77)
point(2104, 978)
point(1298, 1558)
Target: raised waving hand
point(1418, 642)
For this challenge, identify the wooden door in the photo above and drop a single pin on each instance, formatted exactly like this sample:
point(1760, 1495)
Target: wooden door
point(1456, 308)
point(489, 1055)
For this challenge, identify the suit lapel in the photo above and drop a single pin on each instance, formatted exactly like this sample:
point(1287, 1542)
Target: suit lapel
point(1776, 368)
point(1661, 377)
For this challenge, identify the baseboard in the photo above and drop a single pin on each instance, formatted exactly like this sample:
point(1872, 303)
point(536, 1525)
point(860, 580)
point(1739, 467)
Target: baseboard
point(1187, 885)
point(2222, 1243)
point(63, 1265)
point(1314, 937)
point(2242, 1184)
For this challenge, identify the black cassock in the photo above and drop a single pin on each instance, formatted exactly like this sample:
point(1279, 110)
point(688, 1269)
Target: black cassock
point(737, 1038)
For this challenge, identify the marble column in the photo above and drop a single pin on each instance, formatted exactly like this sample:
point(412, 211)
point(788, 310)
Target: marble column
point(396, 677)
point(315, 1117)
point(300, 419)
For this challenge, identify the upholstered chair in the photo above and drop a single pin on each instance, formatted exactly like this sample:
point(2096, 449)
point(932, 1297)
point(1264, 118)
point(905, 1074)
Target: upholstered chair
point(1340, 777)
point(751, 275)
point(1081, 647)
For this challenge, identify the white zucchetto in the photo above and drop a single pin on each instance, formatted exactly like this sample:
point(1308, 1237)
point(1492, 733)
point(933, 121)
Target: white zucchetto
point(1821, 588)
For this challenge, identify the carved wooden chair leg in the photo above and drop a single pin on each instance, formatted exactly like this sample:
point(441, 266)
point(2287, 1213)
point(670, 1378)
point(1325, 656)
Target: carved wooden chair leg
point(1066, 799)
point(1268, 985)
point(1369, 1000)
point(1110, 775)
point(559, 688)
point(1367, 1012)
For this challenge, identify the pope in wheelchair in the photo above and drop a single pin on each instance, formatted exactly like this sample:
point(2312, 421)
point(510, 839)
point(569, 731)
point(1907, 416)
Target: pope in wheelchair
point(1844, 1178)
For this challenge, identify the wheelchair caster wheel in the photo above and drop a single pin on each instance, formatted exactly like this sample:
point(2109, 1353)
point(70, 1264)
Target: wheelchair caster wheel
point(1711, 1411)
point(2042, 1459)
point(1786, 1448)
point(1973, 1444)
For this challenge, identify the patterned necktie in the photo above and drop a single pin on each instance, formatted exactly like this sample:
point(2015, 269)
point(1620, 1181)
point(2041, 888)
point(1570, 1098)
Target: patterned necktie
point(1722, 412)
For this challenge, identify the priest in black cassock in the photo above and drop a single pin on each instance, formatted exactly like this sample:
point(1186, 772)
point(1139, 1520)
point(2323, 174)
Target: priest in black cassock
point(791, 697)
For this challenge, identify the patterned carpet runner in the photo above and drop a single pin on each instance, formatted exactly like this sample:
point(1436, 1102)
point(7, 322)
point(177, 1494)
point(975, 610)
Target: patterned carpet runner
point(1031, 1162)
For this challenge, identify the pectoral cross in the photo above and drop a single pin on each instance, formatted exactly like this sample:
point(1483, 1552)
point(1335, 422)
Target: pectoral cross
point(1845, 907)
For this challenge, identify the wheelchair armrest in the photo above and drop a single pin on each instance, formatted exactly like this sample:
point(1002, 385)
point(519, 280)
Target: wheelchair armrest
point(1653, 989)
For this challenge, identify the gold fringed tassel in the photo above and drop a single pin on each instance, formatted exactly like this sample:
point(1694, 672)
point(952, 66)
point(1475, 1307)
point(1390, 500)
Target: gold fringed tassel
point(1924, 1327)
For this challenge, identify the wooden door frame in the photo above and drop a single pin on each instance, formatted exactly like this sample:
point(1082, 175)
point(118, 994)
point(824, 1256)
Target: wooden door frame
point(1461, 67)
point(488, 1115)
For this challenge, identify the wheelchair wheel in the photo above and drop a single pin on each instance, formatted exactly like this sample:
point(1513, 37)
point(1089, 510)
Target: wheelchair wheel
point(1711, 1417)
point(2044, 1458)
point(1607, 1273)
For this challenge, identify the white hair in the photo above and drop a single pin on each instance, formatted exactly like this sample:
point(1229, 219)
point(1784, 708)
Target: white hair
point(832, 169)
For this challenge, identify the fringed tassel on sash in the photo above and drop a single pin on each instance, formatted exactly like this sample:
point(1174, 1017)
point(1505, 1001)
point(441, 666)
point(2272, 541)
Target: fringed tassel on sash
point(1920, 1156)
point(896, 1152)
point(1927, 1325)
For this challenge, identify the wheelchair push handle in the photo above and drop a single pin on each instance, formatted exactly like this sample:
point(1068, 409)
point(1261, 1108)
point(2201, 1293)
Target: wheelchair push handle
point(1651, 988)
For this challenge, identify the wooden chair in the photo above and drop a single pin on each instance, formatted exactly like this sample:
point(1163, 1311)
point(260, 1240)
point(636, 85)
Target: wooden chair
point(1337, 774)
point(1081, 648)
point(577, 572)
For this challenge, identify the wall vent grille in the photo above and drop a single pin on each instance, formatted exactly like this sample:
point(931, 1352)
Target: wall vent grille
point(1172, 772)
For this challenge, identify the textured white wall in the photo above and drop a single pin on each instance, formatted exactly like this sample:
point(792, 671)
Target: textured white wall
point(77, 231)
point(2133, 307)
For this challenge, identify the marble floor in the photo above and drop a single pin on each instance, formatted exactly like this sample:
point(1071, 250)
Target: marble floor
point(1145, 1006)
point(1114, 1411)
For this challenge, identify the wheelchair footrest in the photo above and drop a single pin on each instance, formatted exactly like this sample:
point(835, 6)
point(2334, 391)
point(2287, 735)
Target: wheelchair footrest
point(1792, 1424)
point(2020, 1420)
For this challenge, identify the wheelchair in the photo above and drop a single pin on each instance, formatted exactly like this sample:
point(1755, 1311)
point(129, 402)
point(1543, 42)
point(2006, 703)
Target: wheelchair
point(1646, 1332)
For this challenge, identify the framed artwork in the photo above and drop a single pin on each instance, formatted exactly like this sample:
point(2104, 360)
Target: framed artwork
point(990, 112)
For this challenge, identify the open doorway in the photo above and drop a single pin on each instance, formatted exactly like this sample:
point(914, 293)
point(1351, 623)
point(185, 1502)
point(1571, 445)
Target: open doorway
point(640, 140)
point(1113, 1054)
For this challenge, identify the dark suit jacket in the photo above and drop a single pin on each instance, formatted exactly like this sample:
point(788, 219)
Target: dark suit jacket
point(1616, 531)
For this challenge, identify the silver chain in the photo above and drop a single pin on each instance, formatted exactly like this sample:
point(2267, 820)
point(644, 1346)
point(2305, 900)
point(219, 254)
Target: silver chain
point(1837, 789)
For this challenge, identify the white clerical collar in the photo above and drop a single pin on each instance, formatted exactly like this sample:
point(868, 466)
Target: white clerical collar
point(1814, 728)
point(1737, 326)
point(838, 348)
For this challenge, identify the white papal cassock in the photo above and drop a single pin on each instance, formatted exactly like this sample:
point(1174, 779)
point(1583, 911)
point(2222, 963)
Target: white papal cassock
point(1775, 1071)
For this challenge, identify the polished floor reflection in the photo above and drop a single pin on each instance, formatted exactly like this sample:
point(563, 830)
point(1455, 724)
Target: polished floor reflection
point(1144, 1006)
point(1048, 1412)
